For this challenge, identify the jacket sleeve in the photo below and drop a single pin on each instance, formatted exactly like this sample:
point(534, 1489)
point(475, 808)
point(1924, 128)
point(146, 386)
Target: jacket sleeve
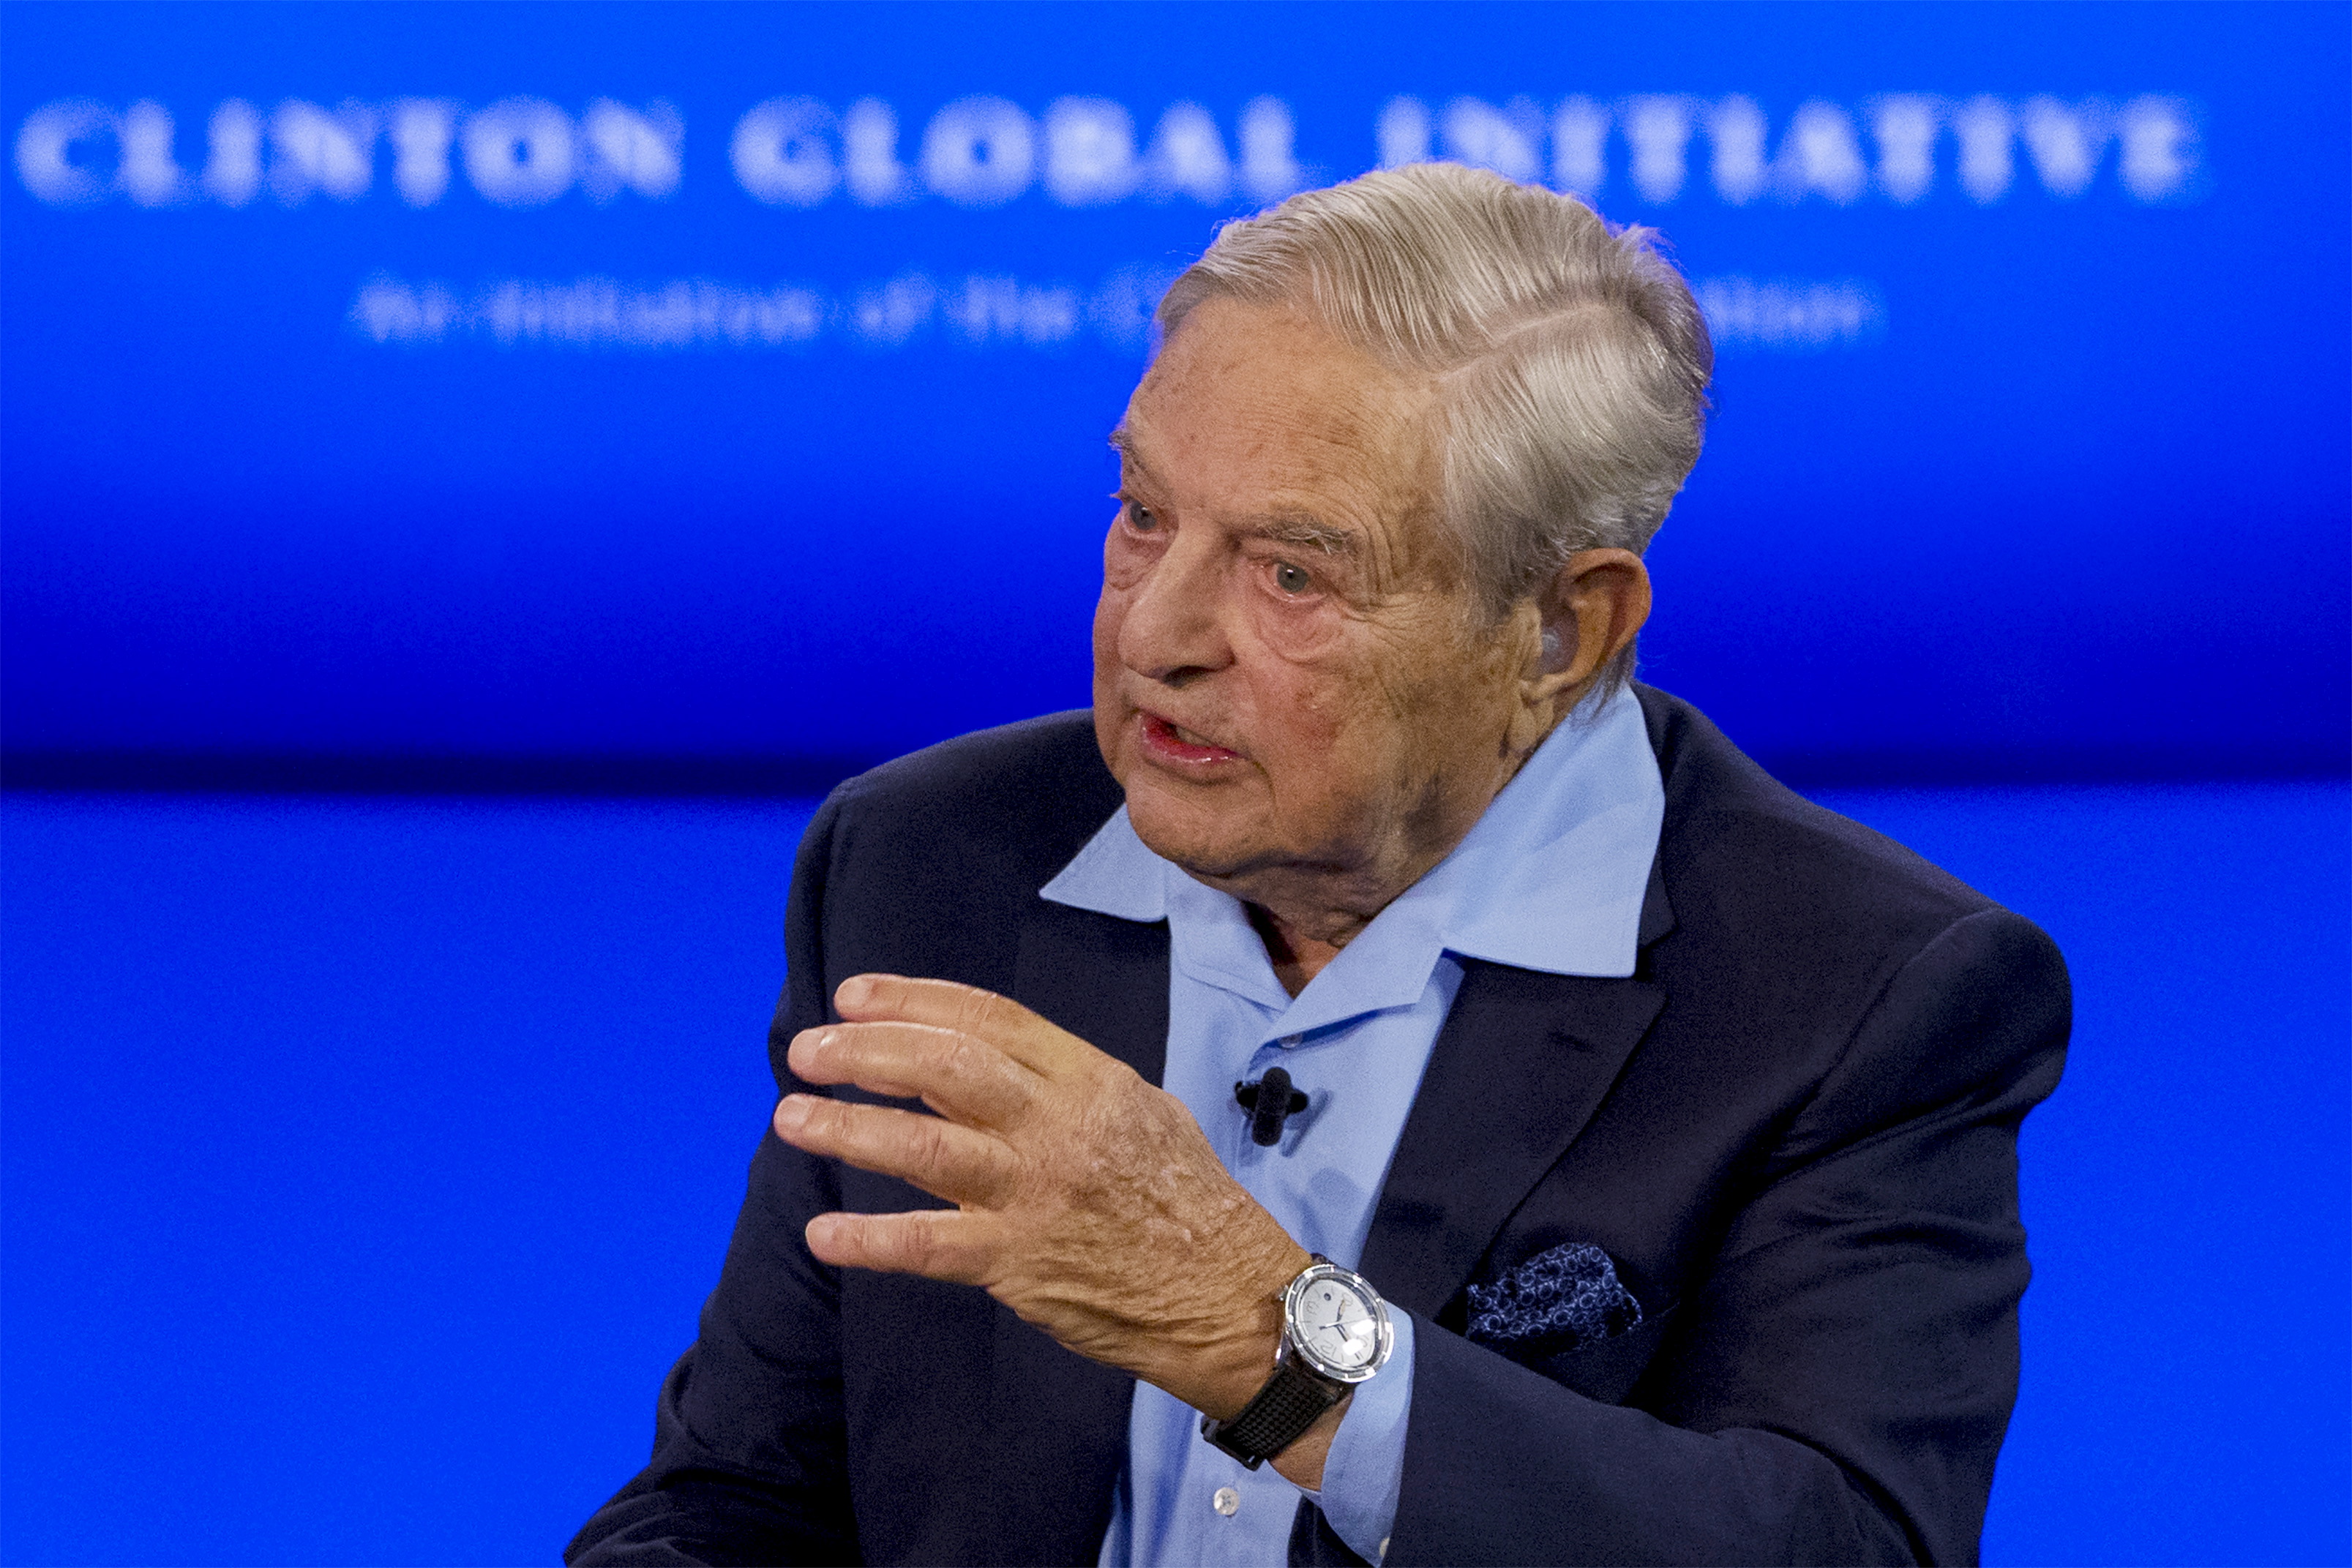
point(1836, 1389)
point(749, 1462)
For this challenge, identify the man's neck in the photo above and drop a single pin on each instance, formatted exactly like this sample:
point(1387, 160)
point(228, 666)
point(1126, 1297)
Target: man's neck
point(1302, 934)
point(1296, 956)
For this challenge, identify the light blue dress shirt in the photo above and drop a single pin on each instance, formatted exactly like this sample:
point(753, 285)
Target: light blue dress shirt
point(1551, 878)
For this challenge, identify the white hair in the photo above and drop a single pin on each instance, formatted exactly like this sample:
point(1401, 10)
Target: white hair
point(1571, 361)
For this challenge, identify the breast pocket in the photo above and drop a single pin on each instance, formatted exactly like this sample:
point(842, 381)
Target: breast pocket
point(1605, 1369)
point(1564, 1312)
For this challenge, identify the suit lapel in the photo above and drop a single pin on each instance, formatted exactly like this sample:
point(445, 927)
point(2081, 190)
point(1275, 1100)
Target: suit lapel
point(1522, 1063)
point(1058, 1424)
point(1103, 978)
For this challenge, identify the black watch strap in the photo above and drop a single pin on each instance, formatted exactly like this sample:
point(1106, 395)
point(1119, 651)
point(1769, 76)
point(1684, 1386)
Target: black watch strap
point(1286, 1407)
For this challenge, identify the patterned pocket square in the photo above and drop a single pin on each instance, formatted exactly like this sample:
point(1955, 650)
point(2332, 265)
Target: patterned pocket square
point(1557, 1301)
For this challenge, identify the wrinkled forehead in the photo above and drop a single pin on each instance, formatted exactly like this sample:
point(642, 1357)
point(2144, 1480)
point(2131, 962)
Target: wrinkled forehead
point(1257, 408)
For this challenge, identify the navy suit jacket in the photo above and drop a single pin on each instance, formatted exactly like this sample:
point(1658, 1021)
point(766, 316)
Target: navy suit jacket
point(1793, 1129)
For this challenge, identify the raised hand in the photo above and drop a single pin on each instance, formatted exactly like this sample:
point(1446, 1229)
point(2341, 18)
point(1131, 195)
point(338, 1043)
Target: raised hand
point(1087, 1199)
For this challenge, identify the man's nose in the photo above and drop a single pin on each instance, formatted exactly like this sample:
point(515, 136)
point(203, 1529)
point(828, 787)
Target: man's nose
point(1173, 629)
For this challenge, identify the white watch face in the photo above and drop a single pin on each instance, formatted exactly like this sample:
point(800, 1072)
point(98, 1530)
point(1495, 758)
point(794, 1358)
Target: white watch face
point(1336, 1327)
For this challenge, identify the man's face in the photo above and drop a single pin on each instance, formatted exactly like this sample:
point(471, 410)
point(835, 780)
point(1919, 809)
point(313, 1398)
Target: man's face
point(1290, 680)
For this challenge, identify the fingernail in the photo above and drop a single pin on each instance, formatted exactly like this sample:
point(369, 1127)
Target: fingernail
point(854, 991)
point(792, 1111)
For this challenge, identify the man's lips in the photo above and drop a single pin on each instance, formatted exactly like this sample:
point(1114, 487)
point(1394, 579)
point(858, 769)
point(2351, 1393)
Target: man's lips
point(1168, 742)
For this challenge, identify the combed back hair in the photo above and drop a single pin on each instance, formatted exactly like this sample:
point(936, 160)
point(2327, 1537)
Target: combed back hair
point(1570, 360)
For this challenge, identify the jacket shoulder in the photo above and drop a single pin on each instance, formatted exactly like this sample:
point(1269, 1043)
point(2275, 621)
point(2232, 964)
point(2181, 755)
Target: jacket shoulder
point(1798, 927)
point(1013, 803)
point(930, 865)
point(1734, 833)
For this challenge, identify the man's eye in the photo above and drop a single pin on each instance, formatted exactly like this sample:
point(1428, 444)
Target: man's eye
point(1291, 579)
point(1141, 519)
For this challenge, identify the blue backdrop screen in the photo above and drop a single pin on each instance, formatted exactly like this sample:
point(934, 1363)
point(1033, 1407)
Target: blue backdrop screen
point(733, 382)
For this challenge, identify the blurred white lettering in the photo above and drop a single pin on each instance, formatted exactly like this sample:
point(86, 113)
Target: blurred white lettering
point(1579, 140)
point(2159, 148)
point(1790, 316)
point(1736, 129)
point(331, 153)
point(519, 151)
point(1001, 310)
point(979, 152)
point(983, 151)
point(46, 146)
point(981, 312)
point(869, 149)
point(1905, 128)
point(783, 152)
point(1984, 128)
point(1120, 311)
point(2065, 140)
point(1090, 151)
point(1658, 129)
point(1820, 156)
point(1269, 171)
point(420, 130)
point(987, 307)
point(589, 313)
point(233, 169)
point(1187, 157)
point(150, 175)
point(1821, 152)
point(1503, 139)
point(1403, 133)
point(391, 311)
point(894, 311)
point(631, 151)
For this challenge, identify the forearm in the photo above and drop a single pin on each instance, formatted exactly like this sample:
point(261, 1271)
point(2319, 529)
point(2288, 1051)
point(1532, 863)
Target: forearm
point(749, 1461)
point(1503, 1465)
point(675, 1517)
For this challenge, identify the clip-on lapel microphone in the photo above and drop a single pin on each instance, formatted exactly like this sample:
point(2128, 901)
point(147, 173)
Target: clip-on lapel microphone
point(1271, 1101)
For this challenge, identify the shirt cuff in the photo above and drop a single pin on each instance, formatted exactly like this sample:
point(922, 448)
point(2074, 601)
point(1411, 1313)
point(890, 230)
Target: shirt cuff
point(1365, 1469)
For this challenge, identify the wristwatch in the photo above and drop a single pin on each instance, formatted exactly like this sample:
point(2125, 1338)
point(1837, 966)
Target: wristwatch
point(1335, 1334)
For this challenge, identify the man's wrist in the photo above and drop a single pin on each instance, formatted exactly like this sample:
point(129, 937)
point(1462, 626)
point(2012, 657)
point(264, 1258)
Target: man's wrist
point(1232, 1376)
point(1337, 1334)
point(1302, 1463)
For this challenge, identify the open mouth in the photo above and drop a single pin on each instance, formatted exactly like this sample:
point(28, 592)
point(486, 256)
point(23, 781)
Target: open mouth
point(1174, 743)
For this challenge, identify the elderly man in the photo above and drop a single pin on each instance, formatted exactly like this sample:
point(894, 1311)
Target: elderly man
point(1389, 1088)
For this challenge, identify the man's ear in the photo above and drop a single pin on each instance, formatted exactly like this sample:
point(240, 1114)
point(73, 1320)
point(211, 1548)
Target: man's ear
point(1591, 610)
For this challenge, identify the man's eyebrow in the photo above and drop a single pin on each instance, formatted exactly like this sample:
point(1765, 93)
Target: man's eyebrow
point(1306, 533)
point(1124, 445)
point(1299, 532)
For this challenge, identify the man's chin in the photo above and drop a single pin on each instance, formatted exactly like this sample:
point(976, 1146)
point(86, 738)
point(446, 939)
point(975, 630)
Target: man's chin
point(1176, 824)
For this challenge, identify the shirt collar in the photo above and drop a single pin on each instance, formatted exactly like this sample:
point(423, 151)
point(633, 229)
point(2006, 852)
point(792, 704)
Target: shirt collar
point(1551, 877)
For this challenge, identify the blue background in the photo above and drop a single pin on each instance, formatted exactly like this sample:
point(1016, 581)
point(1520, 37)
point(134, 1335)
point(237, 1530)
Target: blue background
point(363, 1157)
point(2077, 506)
point(365, 1163)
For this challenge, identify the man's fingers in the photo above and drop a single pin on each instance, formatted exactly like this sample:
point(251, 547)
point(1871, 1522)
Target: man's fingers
point(944, 1004)
point(939, 1243)
point(956, 1074)
point(928, 1152)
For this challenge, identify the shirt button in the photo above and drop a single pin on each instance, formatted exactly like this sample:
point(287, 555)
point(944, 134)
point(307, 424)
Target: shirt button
point(1227, 1501)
